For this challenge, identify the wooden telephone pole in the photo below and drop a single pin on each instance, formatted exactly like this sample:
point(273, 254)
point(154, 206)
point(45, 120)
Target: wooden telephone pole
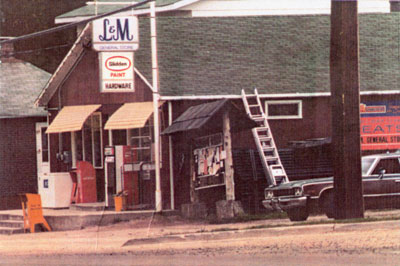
point(345, 103)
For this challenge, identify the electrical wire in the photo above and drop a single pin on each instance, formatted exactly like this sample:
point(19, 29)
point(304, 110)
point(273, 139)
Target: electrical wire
point(36, 50)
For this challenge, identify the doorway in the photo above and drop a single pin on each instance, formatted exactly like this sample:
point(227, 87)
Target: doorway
point(42, 155)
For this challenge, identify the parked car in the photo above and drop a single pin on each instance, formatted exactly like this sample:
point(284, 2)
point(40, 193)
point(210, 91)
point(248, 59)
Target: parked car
point(381, 189)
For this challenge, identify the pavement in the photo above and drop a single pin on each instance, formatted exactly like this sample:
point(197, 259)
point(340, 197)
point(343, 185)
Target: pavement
point(388, 219)
point(65, 219)
point(68, 219)
point(158, 229)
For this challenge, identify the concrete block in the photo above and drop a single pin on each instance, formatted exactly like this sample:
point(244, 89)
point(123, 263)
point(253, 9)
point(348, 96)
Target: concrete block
point(194, 210)
point(227, 209)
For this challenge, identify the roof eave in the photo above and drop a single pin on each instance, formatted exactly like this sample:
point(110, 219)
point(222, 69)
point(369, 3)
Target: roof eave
point(56, 79)
point(159, 9)
point(270, 95)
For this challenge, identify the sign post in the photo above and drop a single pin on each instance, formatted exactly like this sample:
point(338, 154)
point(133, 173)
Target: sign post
point(155, 104)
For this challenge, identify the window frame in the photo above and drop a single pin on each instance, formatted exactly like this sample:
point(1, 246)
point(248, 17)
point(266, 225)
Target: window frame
point(281, 102)
point(92, 132)
point(149, 126)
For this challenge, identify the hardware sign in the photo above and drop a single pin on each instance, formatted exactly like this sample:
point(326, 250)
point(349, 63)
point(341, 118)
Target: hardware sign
point(116, 34)
point(116, 72)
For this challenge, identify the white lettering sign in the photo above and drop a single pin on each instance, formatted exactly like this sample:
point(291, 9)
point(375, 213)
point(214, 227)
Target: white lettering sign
point(116, 72)
point(116, 34)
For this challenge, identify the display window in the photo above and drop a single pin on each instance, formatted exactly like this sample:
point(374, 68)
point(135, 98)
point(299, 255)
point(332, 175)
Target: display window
point(87, 144)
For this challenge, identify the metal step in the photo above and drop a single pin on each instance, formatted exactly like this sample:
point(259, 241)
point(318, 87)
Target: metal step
point(11, 224)
point(11, 217)
point(267, 148)
point(257, 118)
point(11, 231)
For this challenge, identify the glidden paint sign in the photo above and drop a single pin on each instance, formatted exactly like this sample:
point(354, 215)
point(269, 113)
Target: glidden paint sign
point(380, 126)
point(117, 72)
point(116, 34)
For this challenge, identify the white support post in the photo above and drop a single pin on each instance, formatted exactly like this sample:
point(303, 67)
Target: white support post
point(229, 173)
point(110, 138)
point(171, 159)
point(73, 149)
point(156, 97)
point(128, 137)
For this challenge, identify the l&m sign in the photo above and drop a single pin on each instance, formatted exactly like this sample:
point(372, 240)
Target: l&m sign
point(380, 126)
point(116, 72)
point(116, 34)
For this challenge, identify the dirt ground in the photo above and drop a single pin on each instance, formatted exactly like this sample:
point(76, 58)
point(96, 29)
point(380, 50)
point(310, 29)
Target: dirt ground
point(372, 243)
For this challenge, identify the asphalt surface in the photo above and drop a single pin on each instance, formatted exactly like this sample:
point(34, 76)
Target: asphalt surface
point(173, 241)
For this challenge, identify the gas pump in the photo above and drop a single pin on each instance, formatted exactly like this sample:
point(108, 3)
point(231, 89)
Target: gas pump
point(128, 169)
point(110, 178)
point(121, 174)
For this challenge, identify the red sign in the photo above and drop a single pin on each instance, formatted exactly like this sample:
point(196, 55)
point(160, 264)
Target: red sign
point(380, 126)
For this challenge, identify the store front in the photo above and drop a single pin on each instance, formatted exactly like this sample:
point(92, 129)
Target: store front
point(110, 130)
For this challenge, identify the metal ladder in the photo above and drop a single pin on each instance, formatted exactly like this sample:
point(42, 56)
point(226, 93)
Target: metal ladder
point(273, 169)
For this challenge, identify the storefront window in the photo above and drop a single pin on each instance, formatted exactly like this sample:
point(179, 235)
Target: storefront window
point(141, 139)
point(87, 144)
point(45, 145)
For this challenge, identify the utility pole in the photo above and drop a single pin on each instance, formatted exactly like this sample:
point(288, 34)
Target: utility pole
point(345, 104)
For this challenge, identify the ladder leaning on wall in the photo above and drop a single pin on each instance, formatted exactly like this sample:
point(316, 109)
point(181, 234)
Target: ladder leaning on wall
point(273, 169)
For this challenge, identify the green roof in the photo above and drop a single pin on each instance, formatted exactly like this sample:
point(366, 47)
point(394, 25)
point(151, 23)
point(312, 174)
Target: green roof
point(20, 83)
point(276, 54)
point(90, 10)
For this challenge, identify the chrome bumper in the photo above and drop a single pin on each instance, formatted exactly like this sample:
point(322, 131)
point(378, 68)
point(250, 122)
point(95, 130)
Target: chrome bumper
point(284, 204)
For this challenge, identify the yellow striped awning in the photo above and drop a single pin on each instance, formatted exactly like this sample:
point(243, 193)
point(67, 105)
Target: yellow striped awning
point(130, 115)
point(71, 118)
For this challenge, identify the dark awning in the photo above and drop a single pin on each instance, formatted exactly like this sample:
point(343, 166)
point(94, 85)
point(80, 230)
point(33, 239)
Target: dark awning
point(196, 117)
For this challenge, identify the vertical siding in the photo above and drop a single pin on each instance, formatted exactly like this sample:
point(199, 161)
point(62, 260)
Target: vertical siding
point(18, 170)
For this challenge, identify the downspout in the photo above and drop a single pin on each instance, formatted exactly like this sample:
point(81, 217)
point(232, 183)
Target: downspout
point(60, 138)
point(171, 159)
point(156, 96)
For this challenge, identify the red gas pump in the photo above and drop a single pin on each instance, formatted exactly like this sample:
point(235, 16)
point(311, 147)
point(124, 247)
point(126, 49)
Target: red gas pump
point(127, 177)
point(122, 174)
point(84, 183)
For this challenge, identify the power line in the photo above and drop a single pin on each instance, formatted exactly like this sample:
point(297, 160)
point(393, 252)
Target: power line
point(71, 25)
point(36, 50)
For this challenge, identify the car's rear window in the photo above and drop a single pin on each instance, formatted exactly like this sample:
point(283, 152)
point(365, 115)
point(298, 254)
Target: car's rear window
point(366, 164)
